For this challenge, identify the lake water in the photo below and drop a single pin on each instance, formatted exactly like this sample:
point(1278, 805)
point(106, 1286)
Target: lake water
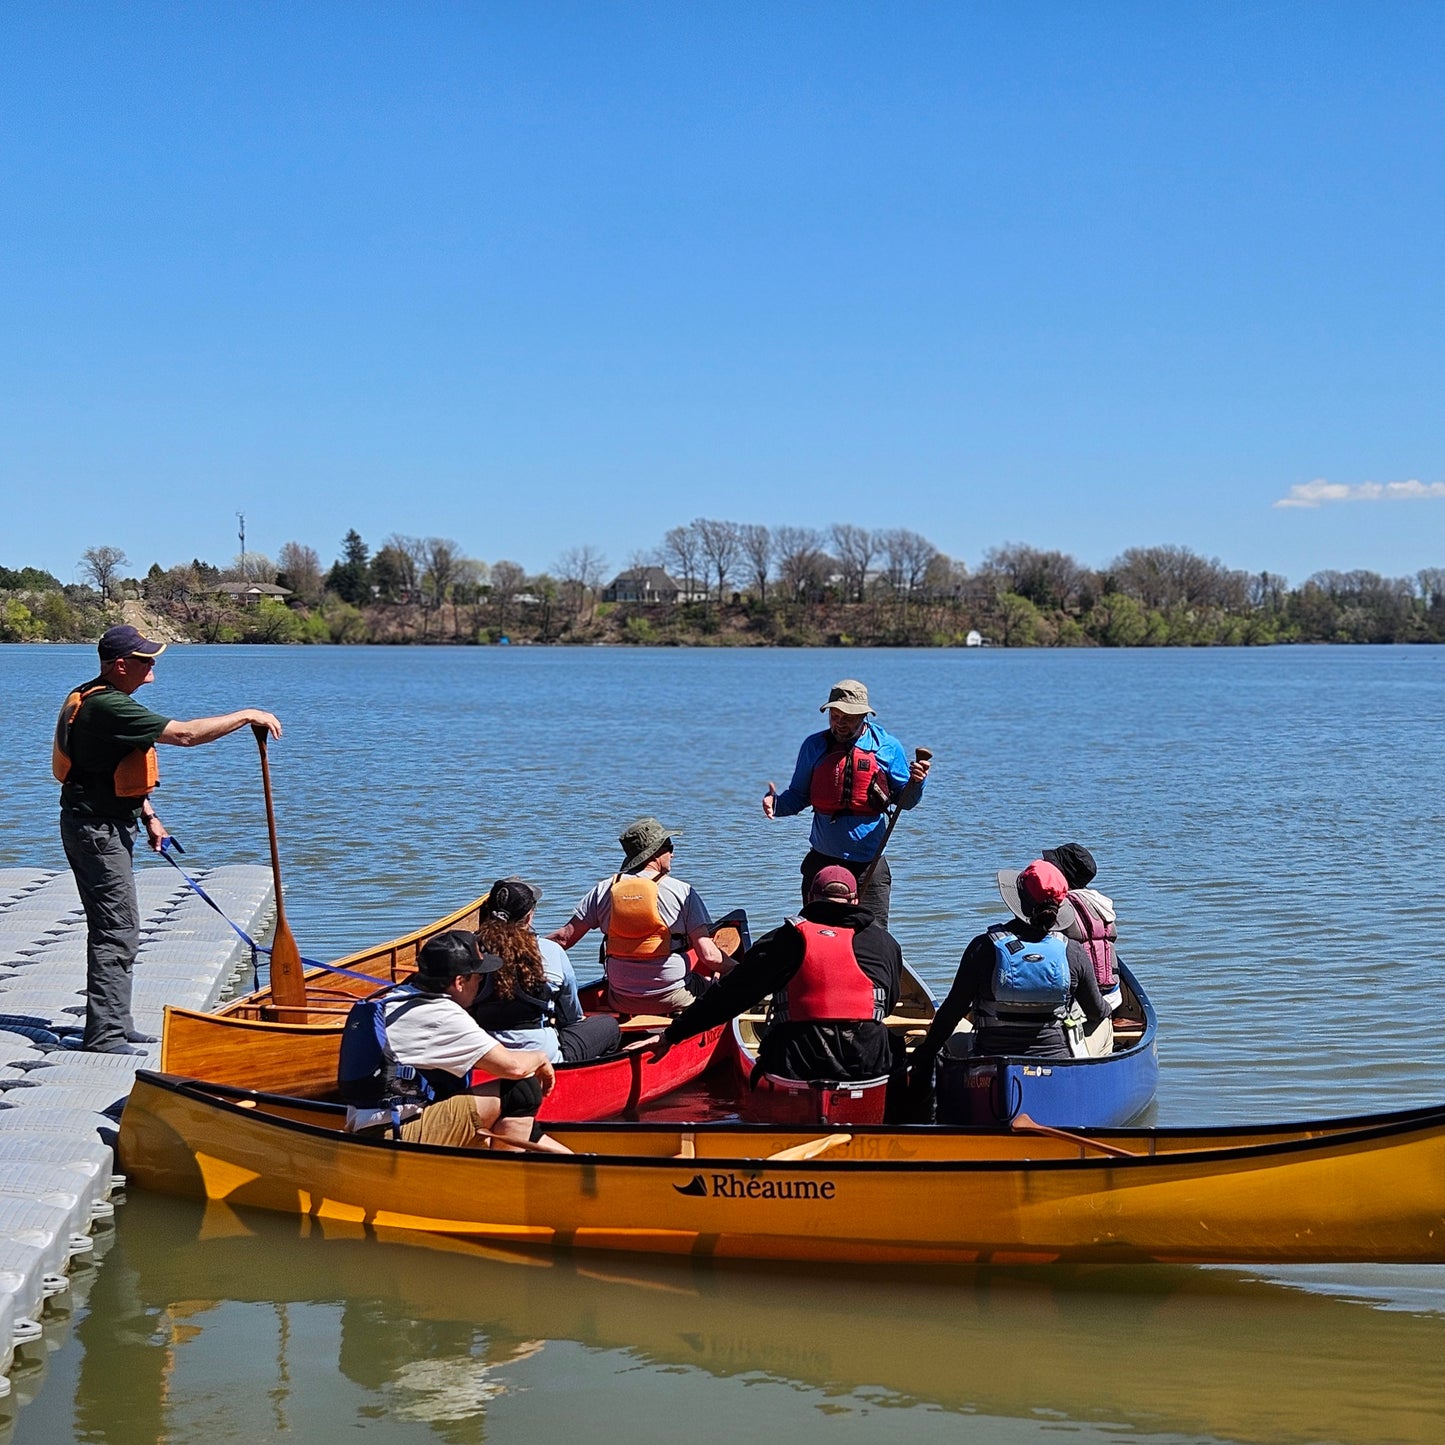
point(1268, 820)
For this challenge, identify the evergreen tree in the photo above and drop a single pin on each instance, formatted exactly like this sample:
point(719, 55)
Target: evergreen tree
point(350, 577)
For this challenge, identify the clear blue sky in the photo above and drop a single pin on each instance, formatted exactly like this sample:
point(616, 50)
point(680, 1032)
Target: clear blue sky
point(532, 275)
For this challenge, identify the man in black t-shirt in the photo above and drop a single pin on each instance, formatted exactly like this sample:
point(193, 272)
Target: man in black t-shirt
point(104, 760)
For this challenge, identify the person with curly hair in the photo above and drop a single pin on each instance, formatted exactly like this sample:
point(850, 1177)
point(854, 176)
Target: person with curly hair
point(531, 1002)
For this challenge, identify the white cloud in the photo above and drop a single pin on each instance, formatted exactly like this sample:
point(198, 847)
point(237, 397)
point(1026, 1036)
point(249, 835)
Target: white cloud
point(1317, 493)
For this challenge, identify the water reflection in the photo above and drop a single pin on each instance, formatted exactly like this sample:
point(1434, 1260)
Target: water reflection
point(254, 1325)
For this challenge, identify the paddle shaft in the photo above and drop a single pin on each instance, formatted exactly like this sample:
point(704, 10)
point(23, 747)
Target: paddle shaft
point(1023, 1124)
point(923, 755)
point(288, 981)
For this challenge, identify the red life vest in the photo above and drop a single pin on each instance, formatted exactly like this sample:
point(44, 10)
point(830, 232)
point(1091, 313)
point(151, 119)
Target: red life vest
point(829, 986)
point(849, 780)
point(1098, 937)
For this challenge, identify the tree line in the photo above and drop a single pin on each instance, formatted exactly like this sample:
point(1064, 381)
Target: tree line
point(733, 583)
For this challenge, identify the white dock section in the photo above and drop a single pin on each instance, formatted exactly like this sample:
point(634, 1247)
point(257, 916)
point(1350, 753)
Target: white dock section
point(59, 1106)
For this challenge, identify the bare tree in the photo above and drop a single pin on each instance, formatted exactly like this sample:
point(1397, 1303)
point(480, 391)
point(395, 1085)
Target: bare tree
point(1162, 577)
point(682, 551)
point(251, 567)
point(580, 570)
point(908, 557)
point(408, 557)
point(720, 546)
point(301, 567)
point(856, 548)
point(438, 560)
point(800, 559)
point(1047, 579)
point(100, 565)
point(757, 546)
point(508, 579)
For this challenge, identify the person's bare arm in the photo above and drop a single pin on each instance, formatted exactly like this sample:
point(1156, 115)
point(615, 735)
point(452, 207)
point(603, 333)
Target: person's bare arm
point(569, 932)
point(207, 729)
point(504, 1063)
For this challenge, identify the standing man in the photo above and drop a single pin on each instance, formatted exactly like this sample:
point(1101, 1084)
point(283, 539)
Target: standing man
point(848, 774)
point(105, 762)
point(649, 918)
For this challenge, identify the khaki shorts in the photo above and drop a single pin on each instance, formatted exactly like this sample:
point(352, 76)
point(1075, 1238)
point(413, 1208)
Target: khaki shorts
point(453, 1122)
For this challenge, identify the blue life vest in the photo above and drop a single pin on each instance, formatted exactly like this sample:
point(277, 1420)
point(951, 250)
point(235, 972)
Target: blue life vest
point(368, 1074)
point(1030, 980)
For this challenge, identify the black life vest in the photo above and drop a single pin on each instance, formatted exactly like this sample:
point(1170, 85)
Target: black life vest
point(521, 1011)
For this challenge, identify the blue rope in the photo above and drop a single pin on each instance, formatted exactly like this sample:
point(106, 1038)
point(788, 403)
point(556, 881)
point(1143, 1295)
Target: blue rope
point(168, 843)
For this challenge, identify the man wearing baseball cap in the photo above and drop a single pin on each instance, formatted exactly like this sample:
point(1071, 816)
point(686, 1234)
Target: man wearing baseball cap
point(103, 757)
point(834, 975)
point(649, 918)
point(849, 774)
point(436, 1095)
point(1019, 978)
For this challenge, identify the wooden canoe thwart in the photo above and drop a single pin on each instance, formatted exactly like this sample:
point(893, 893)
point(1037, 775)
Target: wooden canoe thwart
point(1366, 1189)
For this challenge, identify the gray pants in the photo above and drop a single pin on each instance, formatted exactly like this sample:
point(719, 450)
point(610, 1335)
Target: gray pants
point(100, 854)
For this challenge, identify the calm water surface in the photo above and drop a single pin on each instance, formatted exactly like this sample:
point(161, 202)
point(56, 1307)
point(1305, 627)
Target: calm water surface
point(1269, 822)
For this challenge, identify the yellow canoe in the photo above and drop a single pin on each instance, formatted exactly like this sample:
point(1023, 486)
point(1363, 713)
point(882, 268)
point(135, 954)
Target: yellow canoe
point(1360, 1190)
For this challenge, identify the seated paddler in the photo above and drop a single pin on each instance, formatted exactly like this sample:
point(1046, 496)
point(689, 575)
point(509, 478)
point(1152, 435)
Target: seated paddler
point(531, 1001)
point(1021, 979)
point(834, 975)
point(414, 1063)
point(649, 918)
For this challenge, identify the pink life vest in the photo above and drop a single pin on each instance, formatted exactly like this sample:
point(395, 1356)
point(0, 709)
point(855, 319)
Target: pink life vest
point(1098, 938)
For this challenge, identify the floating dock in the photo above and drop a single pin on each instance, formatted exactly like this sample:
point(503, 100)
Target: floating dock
point(59, 1106)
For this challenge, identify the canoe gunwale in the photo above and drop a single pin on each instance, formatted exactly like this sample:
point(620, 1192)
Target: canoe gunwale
point(1316, 1136)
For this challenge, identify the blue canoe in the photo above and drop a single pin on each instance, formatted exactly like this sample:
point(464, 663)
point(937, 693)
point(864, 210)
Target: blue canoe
point(1102, 1092)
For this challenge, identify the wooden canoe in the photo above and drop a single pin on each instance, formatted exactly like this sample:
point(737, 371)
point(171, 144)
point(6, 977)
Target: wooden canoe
point(1114, 1088)
point(254, 1043)
point(822, 1103)
point(1365, 1191)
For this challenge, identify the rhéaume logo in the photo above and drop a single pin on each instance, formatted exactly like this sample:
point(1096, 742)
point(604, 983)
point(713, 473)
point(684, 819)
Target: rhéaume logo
point(739, 1186)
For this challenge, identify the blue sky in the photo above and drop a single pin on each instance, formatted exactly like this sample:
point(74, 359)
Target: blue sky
point(534, 275)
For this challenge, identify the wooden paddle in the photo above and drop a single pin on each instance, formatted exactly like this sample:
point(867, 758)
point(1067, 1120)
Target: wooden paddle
point(288, 980)
point(1022, 1124)
point(813, 1148)
point(923, 755)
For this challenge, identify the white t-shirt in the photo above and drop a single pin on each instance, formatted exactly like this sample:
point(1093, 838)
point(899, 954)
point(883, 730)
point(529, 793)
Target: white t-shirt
point(427, 1031)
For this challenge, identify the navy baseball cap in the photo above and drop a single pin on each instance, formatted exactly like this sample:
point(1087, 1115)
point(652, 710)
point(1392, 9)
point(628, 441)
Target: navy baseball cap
point(126, 641)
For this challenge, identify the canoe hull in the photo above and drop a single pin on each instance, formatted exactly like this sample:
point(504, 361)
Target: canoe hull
point(1072, 1093)
point(1371, 1194)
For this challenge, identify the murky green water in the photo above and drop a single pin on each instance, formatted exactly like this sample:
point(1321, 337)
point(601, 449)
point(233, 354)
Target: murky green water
point(1269, 821)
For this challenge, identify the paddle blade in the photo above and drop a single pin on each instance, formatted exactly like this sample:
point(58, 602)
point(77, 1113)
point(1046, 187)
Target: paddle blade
point(288, 977)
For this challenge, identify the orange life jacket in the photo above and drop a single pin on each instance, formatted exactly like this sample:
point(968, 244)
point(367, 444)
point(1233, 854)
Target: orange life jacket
point(848, 780)
point(136, 775)
point(635, 929)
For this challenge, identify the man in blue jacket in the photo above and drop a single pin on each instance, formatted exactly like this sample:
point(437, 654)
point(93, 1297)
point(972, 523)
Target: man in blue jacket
point(849, 774)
